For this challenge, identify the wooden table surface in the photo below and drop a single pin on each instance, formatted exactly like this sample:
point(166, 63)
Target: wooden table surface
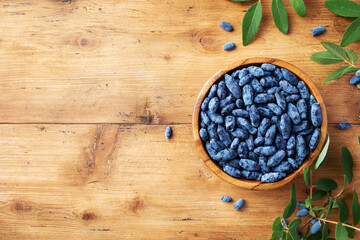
point(87, 88)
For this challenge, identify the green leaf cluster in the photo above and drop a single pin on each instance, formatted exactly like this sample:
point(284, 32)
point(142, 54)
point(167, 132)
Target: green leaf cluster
point(325, 187)
point(252, 18)
point(336, 54)
point(347, 8)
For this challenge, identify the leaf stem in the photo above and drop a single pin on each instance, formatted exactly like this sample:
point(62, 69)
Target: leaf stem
point(311, 189)
point(345, 225)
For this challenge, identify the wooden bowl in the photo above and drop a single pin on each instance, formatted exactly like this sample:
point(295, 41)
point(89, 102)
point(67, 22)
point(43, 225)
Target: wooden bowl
point(249, 184)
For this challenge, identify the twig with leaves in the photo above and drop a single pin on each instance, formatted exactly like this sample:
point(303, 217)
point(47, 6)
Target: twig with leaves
point(319, 214)
point(253, 16)
point(337, 54)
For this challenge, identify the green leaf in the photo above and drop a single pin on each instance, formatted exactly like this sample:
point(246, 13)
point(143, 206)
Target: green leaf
point(343, 210)
point(277, 226)
point(340, 232)
point(308, 202)
point(288, 237)
point(335, 74)
point(355, 209)
point(299, 7)
point(325, 58)
point(290, 208)
point(343, 8)
point(295, 223)
point(280, 15)
point(294, 235)
point(352, 56)
point(347, 163)
point(317, 208)
point(335, 205)
point(321, 213)
point(276, 235)
point(306, 232)
point(351, 231)
point(315, 236)
point(331, 203)
point(325, 232)
point(359, 136)
point(350, 70)
point(322, 156)
point(313, 214)
point(335, 49)
point(251, 22)
point(307, 176)
point(318, 195)
point(326, 184)
point(351, 34)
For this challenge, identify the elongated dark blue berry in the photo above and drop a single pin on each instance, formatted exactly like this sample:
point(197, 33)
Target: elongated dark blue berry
point(317, 31)
point(287, 87)
point(229, 46)
point(304, 92)
point(230, 123)
point(257, 86)
point(275, 159)
point(302, 108)
point(168, 132)
point(224, 135)
point(212, 131)
point(240, 113)
point(213, 91)
point(205, 104)
point(264, 98)
point(233, 86)
point(226, 199)
point(316, 114)
point(314, 140)
point(285, 126)
point(243, 151)
point(315, 228)
point(232, 171)
point(302, 213)
point(225, 155)
point(215, 117)
point(248, 95)
point(272, 177)
point(249, 165)
point(344, 125)
point(203, 134)
point(265, 150)
point(290, 147)
point(227, 109)
point(221, 90)
point(213, 104)
point(268, 67)
point(239, 204)
point(289, 76)
point(293, 113)
point(256, 71)
point(217, 145)
point(355, 80)
point(226, 26)
point(270, 135)
point(235, 143)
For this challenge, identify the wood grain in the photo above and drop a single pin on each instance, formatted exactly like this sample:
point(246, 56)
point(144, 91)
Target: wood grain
point(146, 59)
point(48, 189)
point(86, 89)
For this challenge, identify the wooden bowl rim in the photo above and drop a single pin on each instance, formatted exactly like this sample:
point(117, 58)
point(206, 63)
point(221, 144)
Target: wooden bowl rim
point(249, 184)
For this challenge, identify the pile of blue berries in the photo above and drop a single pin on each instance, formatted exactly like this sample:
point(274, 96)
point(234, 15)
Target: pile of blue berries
point(260, 123)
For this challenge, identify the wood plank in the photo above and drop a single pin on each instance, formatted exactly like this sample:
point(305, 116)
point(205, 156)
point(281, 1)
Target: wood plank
point(143, 61)
point(128, 182)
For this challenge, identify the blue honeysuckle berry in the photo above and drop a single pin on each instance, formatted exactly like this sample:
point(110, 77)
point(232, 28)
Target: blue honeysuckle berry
point(239, 204)
point(357, 73)
point(302, 213)
point(344, 125)
point(317, 31)
point(229, 46)
point(315, 228)
point(226, 26)
point(226, 199)
point(168, 132)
